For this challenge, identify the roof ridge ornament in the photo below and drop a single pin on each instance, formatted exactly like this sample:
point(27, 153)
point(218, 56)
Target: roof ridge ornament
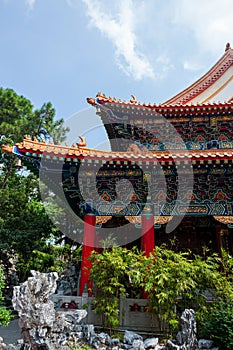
point(82, 143)
point(133, 99)
point(228, 47)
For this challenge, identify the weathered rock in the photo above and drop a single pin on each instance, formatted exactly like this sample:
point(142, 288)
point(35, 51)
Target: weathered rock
point(88, 331)
point(11, 279)
point(171, 346)
point(187, 338)
point(138, 344)
point(159, 347)
point(2, 344)
point(100, 340)
point(114, 341)
point(32, 298)
point(67, 282)
point(19, 346)
point(104, 337)
point(151, 342)
point(130, 336)
point(205, 344)
point(42, 327)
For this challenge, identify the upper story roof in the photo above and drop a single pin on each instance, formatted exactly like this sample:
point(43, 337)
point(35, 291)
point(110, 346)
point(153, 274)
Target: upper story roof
point(212, 91)
point(215, 85)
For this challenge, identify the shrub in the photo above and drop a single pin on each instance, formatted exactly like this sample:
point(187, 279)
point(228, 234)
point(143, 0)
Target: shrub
point(217, 324)
point(112, 271)
point(173, 281)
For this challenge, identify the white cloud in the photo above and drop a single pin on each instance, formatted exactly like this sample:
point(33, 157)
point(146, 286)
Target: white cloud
point(121, 32)
point(164, 65)
point(30, 4)
point(192, 65)
point(210, 22)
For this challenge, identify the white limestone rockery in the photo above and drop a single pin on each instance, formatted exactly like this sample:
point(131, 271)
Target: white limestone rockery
point(44, 327)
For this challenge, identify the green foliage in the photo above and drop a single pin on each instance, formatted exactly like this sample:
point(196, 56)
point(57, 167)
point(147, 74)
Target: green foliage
point(111, 272)
point(5, 315)
point(227, 265)
point(17, 117)
point(120, 336)
point(24, 224)
point(218, 324)
point(173, 281)
point(50, 257)
point(168, 277)
point(15, 112)
point(47, 259)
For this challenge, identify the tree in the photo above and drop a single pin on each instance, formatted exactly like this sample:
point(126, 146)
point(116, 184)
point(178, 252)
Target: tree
point(5, 315)
point(17, 117)
point(24, 224)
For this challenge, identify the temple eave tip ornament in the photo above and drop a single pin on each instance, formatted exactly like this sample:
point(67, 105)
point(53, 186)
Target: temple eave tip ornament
point(7, 149)
point(228, 47)
point(91, 101)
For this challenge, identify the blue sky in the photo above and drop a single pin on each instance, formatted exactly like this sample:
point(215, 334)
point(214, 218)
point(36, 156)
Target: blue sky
point(66, 50)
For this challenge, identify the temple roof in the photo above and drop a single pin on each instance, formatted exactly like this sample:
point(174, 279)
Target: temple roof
point(172, 110)
point(211, 85)
point(214, 86)
point(196, 100)
point(38, 149)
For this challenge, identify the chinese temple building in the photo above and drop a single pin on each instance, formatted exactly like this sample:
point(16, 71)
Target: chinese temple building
point(168, 176)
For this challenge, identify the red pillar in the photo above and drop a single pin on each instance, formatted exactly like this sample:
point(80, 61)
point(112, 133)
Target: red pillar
point(148, 238)
point(88, 247)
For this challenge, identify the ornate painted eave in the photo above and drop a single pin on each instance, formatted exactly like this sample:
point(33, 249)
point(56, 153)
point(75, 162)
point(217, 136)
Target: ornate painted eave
point(158, 220)
point(36, 149)
point(135, 107)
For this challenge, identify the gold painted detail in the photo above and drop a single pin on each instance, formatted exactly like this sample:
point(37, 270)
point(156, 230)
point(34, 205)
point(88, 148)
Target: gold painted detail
point(159, 220)
point(102, 219)
point(224, 219)
point(134, 219)
point(162, 219)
